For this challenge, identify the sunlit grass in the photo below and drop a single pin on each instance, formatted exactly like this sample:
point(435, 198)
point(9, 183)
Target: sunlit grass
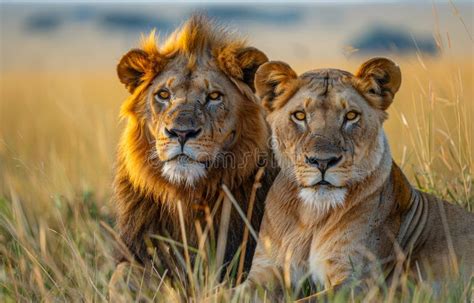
point(58, 134)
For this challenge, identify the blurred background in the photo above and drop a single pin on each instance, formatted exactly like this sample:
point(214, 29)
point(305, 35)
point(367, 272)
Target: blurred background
point(59, 87)
point(86, 36)
point(60, 97)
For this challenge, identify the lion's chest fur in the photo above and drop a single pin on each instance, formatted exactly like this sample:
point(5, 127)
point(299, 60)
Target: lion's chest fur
point(141, 217)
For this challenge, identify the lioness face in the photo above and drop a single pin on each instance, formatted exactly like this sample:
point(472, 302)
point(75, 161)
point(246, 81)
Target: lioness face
point(326, 136)
point(192, 106)
point(327, 127)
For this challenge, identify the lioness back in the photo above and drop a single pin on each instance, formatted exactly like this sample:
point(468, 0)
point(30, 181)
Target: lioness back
point(448, 242)
point(340, 206)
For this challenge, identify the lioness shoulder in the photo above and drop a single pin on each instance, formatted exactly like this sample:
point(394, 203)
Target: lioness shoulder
point(340, 205)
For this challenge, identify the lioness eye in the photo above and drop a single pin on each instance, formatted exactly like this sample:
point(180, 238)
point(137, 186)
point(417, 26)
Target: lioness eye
point(162, 95)
point(214, 96)
point(350, 116)
point(299, 115)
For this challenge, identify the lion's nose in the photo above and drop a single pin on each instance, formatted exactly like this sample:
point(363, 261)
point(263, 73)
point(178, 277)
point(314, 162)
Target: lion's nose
point(182, 135)
point(323, 164)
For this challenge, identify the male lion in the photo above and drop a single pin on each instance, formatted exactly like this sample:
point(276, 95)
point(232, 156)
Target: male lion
point(193, 125)
point(340, 205)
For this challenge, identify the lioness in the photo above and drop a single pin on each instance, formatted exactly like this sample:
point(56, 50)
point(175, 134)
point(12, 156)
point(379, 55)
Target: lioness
point(340, 205)
point(193, 125)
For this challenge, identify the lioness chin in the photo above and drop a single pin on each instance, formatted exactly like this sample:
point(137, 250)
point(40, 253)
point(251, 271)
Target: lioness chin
point(340, 207)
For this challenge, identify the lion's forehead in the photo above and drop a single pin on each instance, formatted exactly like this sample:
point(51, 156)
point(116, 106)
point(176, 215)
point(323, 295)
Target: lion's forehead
point(183, 75)
point(189, 85)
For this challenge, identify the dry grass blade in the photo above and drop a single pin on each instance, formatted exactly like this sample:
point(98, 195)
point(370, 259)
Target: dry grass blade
point(255, 187)
point(223, 229)
point(186, 251)
point(240, 212)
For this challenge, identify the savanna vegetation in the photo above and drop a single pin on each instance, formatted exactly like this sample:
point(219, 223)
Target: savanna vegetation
point(58, 136)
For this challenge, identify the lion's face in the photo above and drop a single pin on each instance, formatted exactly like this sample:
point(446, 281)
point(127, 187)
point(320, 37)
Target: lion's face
point(192, 118)
point(327, 125)
point(194, 98)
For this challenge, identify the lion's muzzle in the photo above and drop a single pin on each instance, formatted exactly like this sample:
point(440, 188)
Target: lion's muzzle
point(182, 135)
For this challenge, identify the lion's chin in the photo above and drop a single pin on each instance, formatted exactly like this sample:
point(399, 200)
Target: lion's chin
point(186, 173)
point(323, 198)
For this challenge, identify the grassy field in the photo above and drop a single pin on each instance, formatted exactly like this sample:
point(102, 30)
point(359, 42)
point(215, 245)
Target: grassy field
point(58, 134)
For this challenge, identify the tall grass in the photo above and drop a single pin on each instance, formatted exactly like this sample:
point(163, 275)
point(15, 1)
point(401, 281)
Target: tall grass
point(58, 134)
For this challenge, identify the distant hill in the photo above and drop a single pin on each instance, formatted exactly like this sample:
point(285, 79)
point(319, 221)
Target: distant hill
point(389, 40)
point(142, 21)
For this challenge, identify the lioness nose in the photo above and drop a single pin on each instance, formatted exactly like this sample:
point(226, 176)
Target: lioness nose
point(323, 164)
point(182, 135)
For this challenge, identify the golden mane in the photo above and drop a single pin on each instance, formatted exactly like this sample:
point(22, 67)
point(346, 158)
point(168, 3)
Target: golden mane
point(146, 202)
point(195, 37)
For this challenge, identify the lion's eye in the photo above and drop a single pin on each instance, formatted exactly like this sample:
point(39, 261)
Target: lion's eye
point(162, 95)
point(299, 115)
point(351, 116)
point(214, 96)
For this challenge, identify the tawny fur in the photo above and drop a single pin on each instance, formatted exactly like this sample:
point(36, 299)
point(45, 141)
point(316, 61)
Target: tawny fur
point(193, 59)
point(383, 219)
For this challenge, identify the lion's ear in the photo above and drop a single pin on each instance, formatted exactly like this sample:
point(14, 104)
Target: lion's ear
point(241, 64)
point(379, 79)
point(132, 67)
point(249, 60)
point(273, 79)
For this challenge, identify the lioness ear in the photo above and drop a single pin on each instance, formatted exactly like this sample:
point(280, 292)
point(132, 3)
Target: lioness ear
point(379, 79)
point(273, 79)
point(249, 60)
point(132, 68)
